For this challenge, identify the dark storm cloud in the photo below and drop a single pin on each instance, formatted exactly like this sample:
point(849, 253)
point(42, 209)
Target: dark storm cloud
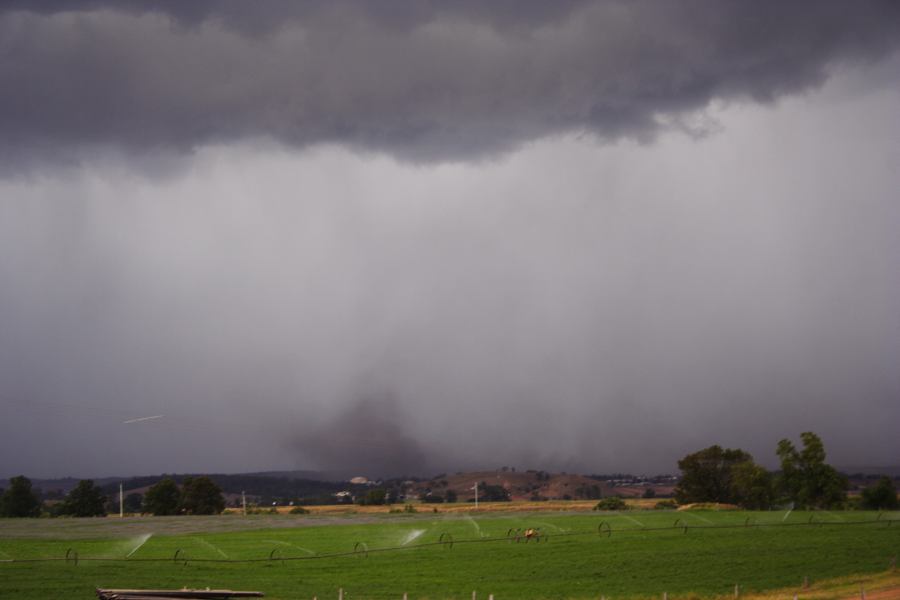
point(423, 81)
point(573, 306)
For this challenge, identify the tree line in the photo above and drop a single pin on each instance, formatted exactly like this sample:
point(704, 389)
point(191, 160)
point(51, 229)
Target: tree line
point(804, 481)
point(195, 496)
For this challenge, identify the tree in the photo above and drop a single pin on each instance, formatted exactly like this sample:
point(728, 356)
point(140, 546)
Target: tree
point(881, 496)
point(86, 500)
point(450, 496)
point(706, 475)
point(19, 500)
point(133, 502)
point(751, 486)
point(806, 479)
point(492, 493)
point(162, 498)
point(201, 496)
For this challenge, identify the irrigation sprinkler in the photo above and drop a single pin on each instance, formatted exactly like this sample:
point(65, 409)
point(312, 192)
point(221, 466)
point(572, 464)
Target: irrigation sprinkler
point(446, 540)
point(361, 549)
point(601, 530)
point(680, 523)
point(180, 556)
point(73, 556)
point(749, 521)
point(273, 557)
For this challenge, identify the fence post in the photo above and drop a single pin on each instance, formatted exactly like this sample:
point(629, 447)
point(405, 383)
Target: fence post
point(405, 597)
point(894, 563)
point(736, 590)
point(340, 593)
point(862, 592)
point(665, 595)
point(806, 582)
point(491, 597)
point(474, 597)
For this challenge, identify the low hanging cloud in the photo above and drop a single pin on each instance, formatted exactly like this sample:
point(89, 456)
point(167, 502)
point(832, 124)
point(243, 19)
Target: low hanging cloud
point(424, 82)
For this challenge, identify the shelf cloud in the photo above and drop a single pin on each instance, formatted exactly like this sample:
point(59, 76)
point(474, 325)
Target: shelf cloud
point(422, 81)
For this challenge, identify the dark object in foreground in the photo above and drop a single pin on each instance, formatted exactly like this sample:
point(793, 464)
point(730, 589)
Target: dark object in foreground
point(184, 594)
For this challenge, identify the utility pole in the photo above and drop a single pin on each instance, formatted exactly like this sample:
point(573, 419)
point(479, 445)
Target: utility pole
point(476, 495)
point(244, 503)
point(121, 502)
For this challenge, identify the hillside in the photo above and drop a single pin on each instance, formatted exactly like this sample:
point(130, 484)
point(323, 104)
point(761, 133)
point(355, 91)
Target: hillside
point(534, 485)
point(314, 488)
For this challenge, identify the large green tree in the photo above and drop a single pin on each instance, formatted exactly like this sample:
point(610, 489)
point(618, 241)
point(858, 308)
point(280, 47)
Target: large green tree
point(805, 478)
point(86, 500)
point(201, 496)
point(162, 498)
point(752, 486)
point(708, 475)
point(19, 500)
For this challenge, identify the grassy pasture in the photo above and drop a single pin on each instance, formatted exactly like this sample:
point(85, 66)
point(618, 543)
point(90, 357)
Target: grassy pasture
point(576, 562)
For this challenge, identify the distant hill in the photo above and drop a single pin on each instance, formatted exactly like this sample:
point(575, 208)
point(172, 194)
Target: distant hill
point(540, 485)
point(313, 487)
point(259, 487)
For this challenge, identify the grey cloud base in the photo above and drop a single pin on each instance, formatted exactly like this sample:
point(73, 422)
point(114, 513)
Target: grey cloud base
point(425, 82)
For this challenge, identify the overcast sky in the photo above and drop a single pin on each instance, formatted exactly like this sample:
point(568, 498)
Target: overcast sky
point(410, 237)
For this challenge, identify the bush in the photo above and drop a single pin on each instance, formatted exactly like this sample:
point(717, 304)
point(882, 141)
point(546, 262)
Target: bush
point(375, 497)
point(666, 505)
point(611, 503)
point(299, 510)
point(881, 496)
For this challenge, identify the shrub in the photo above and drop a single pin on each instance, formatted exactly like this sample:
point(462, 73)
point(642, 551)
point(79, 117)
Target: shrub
point(666, 505)
point(299, 510)
point(881, 496)
point(611, 503)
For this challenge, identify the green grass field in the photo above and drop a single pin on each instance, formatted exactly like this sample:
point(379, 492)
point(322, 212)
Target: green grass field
point(776, 550)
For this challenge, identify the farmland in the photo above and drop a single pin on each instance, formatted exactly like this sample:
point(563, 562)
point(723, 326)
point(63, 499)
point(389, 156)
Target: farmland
point(381, 555)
